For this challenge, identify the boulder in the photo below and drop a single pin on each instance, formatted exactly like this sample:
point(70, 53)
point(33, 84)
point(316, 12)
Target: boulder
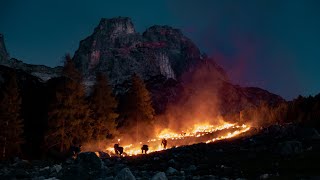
point(159, 176)
point(56, 168)
point(171, 171)
point(118, 167)
point(125, 174)
point(103, 155)
point(89, 160)
point(87, 166)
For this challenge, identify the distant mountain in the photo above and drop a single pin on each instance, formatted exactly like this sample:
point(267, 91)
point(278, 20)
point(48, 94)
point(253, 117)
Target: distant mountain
point(116, 49)
point(43, 72)
point(170, 63)
point(166, 59)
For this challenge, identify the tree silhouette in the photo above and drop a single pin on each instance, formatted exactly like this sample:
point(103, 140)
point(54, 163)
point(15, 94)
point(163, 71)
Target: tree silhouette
point(103, 105)
point(140, 108)
point(11, 123)
point(69, 120)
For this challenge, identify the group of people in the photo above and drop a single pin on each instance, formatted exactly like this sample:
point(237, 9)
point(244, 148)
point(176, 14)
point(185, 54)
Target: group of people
point(117, 148)
point(144, 149)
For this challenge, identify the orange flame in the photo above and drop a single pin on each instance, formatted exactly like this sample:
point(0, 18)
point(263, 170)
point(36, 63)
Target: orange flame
point(197, 134)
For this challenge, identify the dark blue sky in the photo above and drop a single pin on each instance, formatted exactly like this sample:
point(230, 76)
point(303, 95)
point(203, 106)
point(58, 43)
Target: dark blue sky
point(272, 44)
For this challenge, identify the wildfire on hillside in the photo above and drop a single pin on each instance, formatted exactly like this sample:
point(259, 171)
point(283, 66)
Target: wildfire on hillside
point(199, 133)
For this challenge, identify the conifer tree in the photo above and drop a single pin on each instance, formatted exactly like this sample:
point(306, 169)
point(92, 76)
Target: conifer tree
point(69, 121)
point(141, 109)
point(11, 123)
point(103, 105)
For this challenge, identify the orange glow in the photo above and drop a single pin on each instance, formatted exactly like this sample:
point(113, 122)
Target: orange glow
point(204, 132)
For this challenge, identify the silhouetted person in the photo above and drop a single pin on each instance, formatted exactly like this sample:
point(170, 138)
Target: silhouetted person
point(164, 143)
point(144, 148)
point(117, 149)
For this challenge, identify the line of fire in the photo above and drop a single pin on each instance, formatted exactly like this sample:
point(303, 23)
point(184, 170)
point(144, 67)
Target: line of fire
point(200, 133)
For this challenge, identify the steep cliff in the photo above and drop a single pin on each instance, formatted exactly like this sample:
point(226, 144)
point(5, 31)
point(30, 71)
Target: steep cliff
point(169, 62)
point(115, 48)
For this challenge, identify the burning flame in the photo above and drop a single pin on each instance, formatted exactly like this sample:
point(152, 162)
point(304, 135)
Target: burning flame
point(198, 130)
point(198, 133)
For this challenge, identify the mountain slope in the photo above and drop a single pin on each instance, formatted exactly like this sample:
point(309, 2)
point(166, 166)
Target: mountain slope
point(116, 49)
point(169, 62)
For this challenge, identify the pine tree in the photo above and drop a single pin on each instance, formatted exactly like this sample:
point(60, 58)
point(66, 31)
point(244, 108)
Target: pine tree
point(69, 119)
point(103, 105)
point(11, 122)
point(141, 109)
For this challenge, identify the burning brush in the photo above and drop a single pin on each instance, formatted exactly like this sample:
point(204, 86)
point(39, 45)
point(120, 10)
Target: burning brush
point(166, 139)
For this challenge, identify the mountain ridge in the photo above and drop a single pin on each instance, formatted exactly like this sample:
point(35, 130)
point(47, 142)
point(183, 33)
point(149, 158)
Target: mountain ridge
point(169, 62)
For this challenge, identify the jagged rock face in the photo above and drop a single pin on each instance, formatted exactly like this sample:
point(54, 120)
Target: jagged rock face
point(4, 56)
point(40, 71)
point(43, 72)
point(117, 50)
point(159, 54)
point(169, 62)
point(180, 51)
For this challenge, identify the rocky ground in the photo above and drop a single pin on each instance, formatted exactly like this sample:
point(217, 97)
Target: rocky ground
point(277, 152)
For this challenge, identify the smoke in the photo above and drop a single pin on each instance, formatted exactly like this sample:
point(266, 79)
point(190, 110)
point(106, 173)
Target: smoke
point(136, 133)
point(199, 102)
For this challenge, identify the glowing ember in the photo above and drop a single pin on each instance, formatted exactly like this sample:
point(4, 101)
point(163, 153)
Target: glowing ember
point(198, 133)
point(198, 130)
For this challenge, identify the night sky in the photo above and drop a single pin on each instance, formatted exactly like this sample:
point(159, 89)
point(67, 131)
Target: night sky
point(272, 44)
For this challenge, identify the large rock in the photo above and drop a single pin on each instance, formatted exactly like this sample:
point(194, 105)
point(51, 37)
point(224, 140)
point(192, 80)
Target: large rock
point(87, 166)
point(89, 160)
point(171, 171)
point(159, 176)
point(125, 174)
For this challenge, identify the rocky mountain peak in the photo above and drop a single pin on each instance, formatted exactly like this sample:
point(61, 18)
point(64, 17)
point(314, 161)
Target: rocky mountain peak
point(40, 71)
point(115, 26)
point(117, 50)
point(3, 51)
